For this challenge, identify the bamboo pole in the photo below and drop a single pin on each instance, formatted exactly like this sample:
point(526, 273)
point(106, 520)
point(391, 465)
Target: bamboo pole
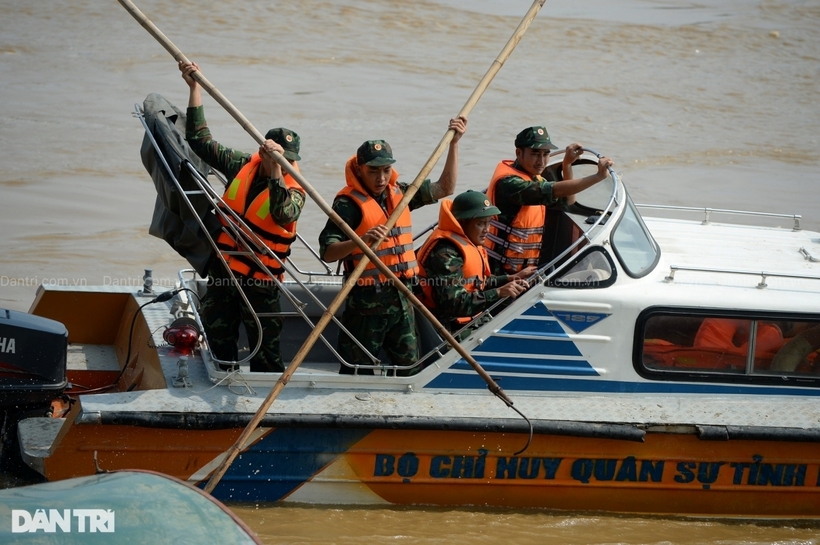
point(368, 251)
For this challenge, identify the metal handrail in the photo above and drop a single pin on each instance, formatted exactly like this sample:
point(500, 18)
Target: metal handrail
point(708, 212)
point(245, 236)
point(310, 274)
point(184, 194)
point(542, 275)
point(762, 274)
point(549, 270)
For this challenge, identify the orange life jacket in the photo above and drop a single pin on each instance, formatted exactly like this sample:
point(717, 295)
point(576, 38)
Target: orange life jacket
point(396, 250)
point(476, 268)
point(256, 215)
point(724, 333)
point(519, 244)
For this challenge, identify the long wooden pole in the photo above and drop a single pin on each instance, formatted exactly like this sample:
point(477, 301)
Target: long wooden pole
point(368, 251)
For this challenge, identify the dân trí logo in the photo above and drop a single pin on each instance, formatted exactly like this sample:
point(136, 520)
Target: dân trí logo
point(62, 520)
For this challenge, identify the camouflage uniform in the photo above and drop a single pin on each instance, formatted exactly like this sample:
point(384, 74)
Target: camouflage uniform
point(222, 308)
point(379, 316)
point(444, 266)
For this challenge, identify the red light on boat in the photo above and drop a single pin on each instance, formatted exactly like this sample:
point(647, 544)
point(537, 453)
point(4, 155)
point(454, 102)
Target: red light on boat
point(182, 334)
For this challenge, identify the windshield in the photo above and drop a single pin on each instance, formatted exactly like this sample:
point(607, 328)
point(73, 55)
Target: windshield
point(597, 196)
point(636, 249)
point(593, 269)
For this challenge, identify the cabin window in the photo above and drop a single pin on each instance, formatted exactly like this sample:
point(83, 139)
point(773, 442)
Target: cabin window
point(751, 348)
point(592, 269)
point(634, 246)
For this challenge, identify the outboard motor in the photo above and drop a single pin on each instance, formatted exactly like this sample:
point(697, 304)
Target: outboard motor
point(33, 352)
point(33, 357)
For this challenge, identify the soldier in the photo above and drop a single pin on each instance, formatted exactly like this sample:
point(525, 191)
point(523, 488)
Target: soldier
point(454, 271)
point(268, 202)
point(376, 313)
point(518, 189)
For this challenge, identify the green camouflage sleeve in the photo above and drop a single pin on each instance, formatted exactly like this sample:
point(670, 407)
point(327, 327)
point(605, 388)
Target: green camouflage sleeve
point(285, 204)
point(423, 196)
point(226, 160)
point(444, 266)
point(331, 234)
point(496, 281)
point(520, 192)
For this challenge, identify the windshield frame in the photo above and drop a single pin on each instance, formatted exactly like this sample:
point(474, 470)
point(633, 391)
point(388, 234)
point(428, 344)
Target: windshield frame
point(630, 211)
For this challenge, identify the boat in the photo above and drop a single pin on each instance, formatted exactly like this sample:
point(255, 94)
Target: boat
point(660, 364)
point(117, 507)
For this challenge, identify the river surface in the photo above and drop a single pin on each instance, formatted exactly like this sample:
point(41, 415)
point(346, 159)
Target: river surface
point(714, 103)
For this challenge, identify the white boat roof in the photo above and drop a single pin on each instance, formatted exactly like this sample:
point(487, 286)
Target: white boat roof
point(771, 256)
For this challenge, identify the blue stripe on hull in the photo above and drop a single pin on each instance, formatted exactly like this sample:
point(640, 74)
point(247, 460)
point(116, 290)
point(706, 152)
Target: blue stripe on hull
point(541, 366)
point(538, 309)
point(282, 461)
point(542, 328)
point(505, 345)
point(549, 384)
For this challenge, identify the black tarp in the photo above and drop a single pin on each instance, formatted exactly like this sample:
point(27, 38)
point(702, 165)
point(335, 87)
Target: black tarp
point(173, 220)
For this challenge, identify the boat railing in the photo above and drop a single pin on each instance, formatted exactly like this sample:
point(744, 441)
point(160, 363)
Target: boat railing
point(328, 270)
point(707, 213)
point(250, 246)
point(245, 237)
point(762, 274)
point(587, 235)
point(548, 271)
point(242, 234)
point(375, 363)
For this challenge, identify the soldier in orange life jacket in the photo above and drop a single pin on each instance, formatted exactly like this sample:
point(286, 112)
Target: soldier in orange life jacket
point(269, 204)
point(376, 313)
point(518, 189)
point(453, 269)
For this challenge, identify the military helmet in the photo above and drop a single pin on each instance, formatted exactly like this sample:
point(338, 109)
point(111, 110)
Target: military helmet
point(473, 204)
point(534, 137)
point(375, 153)
point(289, 141)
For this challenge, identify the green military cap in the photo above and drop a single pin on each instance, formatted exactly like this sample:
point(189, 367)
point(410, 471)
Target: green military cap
point(534, 137)
point(375, 153)
point(288, 139)
point(473, 204)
